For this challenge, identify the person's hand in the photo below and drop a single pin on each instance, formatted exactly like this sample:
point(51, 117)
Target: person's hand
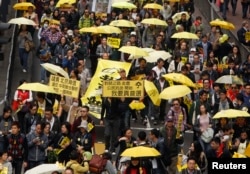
point(202, 130)
point(25, 164)
point(9, 158)
point(123, 139)
point(50, 148)
point(101, 123)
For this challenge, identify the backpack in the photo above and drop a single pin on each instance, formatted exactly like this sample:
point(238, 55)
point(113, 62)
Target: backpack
point(97, 164)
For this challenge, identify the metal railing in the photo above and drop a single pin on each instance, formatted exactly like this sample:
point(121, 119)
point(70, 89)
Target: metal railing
point(210, 11)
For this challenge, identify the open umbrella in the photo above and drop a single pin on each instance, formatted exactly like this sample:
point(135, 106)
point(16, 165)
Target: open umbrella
point(107, 29)
point(231, 113)
point(22, 21)
point(141, 151)
point(37, 87)
point(153, 6)
point(152, 92)
point(148, 50)
point(223, 24)
point(122, 23)
point(154, 21)
point(175, 91)
point(23, 6)
point(90, 30)
point(185, 35)
point(177, 16)
point(46, 169)
point(179, 78)
point(61, 2)
point(122, 5)
point(154, 55)
point(133, 50)
point(54, 69)
point(229, 79)
point(137, 105)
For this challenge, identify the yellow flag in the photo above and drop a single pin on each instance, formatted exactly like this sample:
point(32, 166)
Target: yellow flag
point(106, 70)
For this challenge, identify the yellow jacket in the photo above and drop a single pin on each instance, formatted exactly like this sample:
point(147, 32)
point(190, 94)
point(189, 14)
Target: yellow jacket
point(78, 169)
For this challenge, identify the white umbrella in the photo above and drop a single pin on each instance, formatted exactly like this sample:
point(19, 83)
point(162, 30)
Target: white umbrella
point(154, 55)
point(21, 21)
point(45, 169)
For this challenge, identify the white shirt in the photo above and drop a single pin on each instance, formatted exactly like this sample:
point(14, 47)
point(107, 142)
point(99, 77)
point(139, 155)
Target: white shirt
point(158, 71)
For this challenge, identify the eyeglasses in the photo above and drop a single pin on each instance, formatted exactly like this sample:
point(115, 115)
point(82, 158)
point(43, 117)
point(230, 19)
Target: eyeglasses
point(83, 111)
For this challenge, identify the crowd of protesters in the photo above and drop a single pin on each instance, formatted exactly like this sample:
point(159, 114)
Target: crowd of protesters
point(49, 128)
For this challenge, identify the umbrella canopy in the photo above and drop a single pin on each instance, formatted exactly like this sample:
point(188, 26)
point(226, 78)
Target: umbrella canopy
point(148, 50)
point(122, 5)
point(23, 6)
point(137, 105)
point(45, 169)
point(141, 151)
point(61, 2)
point(223, 24)
point(90, 30)
point(54, 22)
point(107, 29)
point(154, 55)
point(177, 16)
point(231, 113)
point(179, 78)
point(154, 21)
point(175, 91)
point(153, 6)
point(122, 23)
point(152, 92)
point(229, 79)
point(54, 69)
point(22, 21)
point(185, 35)
point(133, 50)
point(38, 87)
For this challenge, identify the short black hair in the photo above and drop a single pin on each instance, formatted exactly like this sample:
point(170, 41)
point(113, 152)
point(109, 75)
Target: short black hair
point(85, 107)
point(7, 109)
point(15, 123)
point(142, 135)
point(191, 158)
point(216, 140)
point(48, 108)
point(155, 132)
point(74, 155)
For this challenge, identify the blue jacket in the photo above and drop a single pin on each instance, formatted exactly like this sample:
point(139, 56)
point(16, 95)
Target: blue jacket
point(69, 64)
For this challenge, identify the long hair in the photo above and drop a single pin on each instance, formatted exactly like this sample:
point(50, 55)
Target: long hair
point(197, 150)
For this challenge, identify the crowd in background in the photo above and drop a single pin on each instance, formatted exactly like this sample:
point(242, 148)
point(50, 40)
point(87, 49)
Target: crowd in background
point(55, 128)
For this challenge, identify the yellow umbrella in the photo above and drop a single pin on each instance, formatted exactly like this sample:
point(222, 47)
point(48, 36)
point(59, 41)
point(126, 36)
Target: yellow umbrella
point(123, 5)
point(229, 79)
point(38, 87)
point(185, 35)
point(141, 151)
point(54, 69)
point(152, 92)
point(137, 105)
point(154, 21)
point(107, 29)
point(154, 55)
point(179, 78)
point(177, 16)
point(231, 113)
point(122, 23)
point(54, 22)
point(153, 6)
point(62, 2)
point(133, 50)
point(247, 151)
point(90, 30)
point(238, 155)
point(223, 24)
point(23, 6)
point(22, 21)
point(138, 77)
point(148, 50)
point(175, 91)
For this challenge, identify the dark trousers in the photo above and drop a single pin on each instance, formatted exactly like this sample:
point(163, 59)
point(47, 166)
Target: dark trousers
point(17, 165)
point(32, 164)
point(111, 133)
point(244, 9)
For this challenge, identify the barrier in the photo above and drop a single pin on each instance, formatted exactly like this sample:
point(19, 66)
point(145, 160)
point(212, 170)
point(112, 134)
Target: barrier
point(210, 11)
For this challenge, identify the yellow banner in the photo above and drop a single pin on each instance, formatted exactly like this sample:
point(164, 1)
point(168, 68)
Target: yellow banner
point(184, 60)
point(67, 87)
point(123, 88)
point(106, 70)
point(247, 35)
point(113, 42)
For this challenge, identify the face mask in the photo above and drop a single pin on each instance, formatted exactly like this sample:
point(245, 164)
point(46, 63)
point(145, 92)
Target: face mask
point(45, 25)
point(75, 104)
